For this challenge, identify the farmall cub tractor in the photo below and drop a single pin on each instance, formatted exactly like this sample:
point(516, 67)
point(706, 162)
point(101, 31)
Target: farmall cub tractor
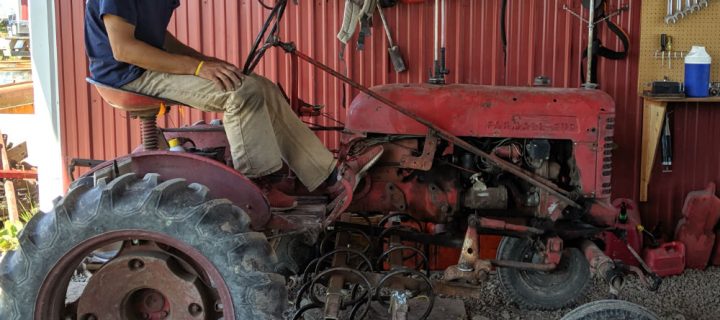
point(181, 235)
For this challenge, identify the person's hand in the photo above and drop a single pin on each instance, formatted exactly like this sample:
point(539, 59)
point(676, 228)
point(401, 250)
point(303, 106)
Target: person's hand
point(226, 76)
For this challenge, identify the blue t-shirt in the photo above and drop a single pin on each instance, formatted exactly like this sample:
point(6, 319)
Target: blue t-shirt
point(150, 18)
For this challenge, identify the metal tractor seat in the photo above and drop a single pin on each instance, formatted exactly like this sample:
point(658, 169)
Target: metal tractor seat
point(138, 105)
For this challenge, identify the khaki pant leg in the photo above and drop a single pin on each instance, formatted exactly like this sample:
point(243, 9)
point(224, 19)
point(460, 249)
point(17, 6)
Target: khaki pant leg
point(261, 127)
point(311, 161)
point(252, 141)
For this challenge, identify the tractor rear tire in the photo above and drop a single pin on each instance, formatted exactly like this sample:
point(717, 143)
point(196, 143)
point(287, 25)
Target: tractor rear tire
point(610, 309)
point(537, 290)
point(216, 229)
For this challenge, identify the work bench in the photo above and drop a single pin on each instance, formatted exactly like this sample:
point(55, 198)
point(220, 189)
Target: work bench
point(654, 109)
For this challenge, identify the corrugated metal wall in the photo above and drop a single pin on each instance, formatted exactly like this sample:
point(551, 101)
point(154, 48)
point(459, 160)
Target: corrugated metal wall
point(542, 40)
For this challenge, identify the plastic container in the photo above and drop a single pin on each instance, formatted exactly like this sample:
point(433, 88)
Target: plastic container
point(174, 145)
point(697, 73)
point(666, 260)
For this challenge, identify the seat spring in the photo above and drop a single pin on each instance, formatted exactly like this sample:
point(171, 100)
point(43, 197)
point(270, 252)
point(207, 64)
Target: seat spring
point(148, 126)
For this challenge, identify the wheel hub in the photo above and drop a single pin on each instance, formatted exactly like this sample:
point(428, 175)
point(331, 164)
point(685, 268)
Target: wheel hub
point(143, 283)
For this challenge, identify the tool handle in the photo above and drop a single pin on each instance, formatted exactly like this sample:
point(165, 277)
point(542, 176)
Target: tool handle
point(385, 25)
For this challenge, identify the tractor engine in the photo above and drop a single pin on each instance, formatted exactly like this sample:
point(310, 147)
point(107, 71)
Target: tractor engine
point(560, 135)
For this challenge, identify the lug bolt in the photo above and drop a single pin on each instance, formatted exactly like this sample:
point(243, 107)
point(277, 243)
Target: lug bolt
point(218, 306)
point(90, 316)
point(195, 309)
point(136, 264)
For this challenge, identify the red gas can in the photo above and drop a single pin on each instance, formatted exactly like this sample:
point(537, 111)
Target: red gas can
point(666, 260)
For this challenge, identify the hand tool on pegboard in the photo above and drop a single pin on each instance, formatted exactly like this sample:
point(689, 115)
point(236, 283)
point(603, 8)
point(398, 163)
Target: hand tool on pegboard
point(666, 141)
point(676, 11)
point(394, 51)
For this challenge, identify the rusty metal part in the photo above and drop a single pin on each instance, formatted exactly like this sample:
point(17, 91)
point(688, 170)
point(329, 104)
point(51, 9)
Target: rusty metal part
point(149, 128)
point(553, 250)
point(143, 282)
point(523, 265)
point(530, 177)
point(470, 267)
point(18, 174)
point(511, 151)
point(223, 182)
point(425, 285)
point(395, 196)
point(423, 162)
point(474, 274)
point(334, 297)
point(52, 295)
point(486, 198)
point(502, 225)
point(603, 266)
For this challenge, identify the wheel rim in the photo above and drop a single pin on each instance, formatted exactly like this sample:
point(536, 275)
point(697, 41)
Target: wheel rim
point(155, 277)
point(541, 279)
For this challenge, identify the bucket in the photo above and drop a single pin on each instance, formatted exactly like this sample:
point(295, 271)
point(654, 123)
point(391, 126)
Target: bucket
point(697, 73)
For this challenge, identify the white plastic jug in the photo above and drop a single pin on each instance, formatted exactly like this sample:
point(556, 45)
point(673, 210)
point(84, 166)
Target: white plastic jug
point(697, 72)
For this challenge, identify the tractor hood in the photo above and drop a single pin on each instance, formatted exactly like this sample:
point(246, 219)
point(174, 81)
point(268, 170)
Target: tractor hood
point(484, 111)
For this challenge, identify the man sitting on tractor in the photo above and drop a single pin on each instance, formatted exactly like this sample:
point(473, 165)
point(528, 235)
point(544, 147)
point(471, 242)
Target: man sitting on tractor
point(129, 47)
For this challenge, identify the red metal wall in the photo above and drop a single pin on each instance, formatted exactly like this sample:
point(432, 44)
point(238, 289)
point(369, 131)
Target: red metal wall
point(543, 40)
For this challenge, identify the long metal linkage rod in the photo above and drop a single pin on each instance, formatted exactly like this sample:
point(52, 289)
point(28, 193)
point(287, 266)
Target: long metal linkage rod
point(530, 177)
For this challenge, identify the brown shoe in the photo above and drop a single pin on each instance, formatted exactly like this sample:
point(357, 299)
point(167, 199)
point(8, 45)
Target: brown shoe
point(351, 172)
point(279, 201)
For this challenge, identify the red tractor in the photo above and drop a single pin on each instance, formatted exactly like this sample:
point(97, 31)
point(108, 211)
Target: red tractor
point(182, 235)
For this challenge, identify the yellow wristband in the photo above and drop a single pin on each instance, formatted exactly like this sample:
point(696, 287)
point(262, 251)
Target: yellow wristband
point(197, 70)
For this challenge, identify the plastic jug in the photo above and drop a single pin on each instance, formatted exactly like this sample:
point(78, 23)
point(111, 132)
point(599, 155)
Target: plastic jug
point(666, 260)
point(697, 73)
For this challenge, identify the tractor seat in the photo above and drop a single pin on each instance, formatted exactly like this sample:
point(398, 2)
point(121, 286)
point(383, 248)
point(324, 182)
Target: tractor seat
point(133, 102)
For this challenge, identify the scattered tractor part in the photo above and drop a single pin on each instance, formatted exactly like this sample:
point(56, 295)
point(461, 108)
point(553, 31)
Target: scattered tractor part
point(561, 287)
point(610, 309)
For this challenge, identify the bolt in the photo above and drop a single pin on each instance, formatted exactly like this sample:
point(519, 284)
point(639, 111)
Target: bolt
point(195, 309)
point(90, 316)
point(136, 264)
point(135, 242)
point(218, 306)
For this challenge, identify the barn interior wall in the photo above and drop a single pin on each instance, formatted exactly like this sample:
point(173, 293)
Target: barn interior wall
point(542, 39)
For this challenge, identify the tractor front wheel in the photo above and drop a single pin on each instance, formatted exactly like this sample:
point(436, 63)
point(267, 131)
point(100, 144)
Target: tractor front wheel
point(562, 287)
point(178, 255)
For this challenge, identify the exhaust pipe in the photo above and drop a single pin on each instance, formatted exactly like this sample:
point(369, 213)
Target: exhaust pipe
point(602, 266)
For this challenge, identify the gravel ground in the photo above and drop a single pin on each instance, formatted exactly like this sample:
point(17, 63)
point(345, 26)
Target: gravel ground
point(693, 295)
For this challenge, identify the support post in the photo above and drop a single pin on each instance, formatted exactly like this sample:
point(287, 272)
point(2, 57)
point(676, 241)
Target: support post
point(653, 117)
point(10, 196)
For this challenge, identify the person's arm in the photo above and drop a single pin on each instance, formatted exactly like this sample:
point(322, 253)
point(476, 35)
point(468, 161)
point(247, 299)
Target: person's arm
point(126, 48)
point(173, 45)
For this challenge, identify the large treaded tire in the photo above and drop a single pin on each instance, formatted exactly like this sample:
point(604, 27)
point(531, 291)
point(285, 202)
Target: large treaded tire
point(535, 290)
point(216, 228)
point(610, 309)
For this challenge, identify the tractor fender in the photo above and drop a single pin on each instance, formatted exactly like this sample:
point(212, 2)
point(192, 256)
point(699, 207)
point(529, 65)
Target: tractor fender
point(223, 181)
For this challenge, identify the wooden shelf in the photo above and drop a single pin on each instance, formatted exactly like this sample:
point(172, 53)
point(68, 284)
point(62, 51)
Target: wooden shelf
point(654, 109)
point(684, 99)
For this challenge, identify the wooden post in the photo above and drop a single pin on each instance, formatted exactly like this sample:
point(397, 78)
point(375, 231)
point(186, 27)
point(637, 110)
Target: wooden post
point(10, 196)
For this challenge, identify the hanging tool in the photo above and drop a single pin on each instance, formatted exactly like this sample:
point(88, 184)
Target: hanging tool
point(437, 75)
point(666, 141)
point(663, 48)
point(394, 51)
point(670, 17)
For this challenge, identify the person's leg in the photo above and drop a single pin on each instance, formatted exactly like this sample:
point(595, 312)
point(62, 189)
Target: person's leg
point(261, 127)
point(301, 149)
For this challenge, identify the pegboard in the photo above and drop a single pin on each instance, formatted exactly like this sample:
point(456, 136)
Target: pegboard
point(699, 28)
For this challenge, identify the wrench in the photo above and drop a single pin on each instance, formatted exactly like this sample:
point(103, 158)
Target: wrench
point(695, 5)
point(679, 14)
point(703, 3)
point(670, 17)
point(688, 8)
